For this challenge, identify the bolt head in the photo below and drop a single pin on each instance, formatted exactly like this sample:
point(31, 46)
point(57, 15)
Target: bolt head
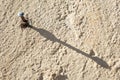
point(20, 14)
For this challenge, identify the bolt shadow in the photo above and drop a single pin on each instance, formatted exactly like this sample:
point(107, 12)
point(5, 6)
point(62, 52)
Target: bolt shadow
point(51, 37)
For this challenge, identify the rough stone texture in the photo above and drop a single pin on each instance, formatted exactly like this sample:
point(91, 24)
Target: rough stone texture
point(70, 40)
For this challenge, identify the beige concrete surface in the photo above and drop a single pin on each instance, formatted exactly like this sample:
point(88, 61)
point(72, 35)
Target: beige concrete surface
point(69, 40)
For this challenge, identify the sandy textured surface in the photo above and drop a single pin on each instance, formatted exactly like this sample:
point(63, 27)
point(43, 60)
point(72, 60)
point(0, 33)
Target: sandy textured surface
point(70, 40)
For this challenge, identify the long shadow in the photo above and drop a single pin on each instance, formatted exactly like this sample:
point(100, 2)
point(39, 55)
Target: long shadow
point(51, 37)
